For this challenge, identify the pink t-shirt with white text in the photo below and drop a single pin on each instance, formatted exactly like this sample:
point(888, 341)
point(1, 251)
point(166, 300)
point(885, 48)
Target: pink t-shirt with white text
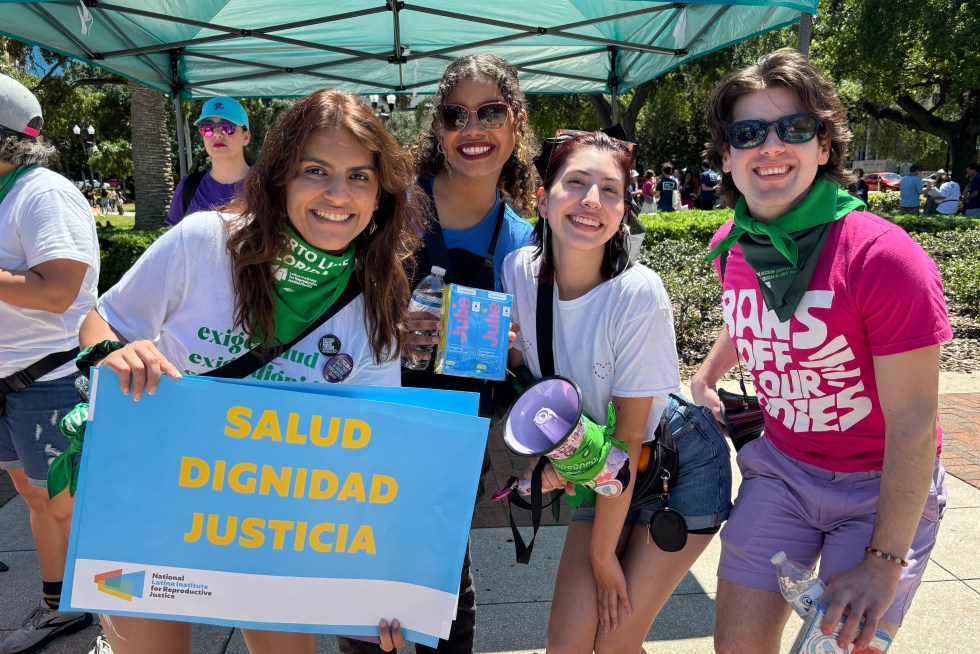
point(874, 292)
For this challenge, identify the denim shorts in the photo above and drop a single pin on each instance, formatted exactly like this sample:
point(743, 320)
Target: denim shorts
point(809, 512)
point(703, 492)
point(30, 437)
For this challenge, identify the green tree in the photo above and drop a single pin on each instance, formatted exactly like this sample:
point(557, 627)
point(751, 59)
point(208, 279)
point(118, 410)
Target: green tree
point(113, 159)
point(912, 62)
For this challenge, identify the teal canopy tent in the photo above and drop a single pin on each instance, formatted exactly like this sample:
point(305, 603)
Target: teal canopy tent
point(264, 48)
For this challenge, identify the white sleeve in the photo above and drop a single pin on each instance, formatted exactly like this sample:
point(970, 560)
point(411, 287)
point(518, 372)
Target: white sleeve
point(645, 350)
point(388, 373)
point(138, 305)
point(57, 225)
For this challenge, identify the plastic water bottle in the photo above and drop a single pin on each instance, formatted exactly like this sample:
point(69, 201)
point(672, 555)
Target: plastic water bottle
point(799, 585)
point(427, 297)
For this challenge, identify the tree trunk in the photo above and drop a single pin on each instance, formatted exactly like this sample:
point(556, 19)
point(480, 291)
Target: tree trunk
point(151, 157)
point(962, 150)
point(627, 117)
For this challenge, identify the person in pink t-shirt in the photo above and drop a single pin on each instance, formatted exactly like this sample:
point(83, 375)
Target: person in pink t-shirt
point(839, 316)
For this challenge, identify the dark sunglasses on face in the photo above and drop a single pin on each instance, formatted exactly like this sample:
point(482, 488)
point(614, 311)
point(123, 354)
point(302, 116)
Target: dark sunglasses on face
point(797, 128)
point(492, 115)
point(207, 129)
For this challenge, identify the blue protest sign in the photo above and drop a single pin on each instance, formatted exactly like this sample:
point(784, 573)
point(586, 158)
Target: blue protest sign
point(238, 503)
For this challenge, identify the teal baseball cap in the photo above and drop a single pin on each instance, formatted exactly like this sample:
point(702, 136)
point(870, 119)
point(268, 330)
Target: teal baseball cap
point(224, 107)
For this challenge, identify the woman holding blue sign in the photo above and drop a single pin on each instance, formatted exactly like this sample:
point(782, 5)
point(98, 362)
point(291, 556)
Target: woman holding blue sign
point(301, 279)
point(611, 332)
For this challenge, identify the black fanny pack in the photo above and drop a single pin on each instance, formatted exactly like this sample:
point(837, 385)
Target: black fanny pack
point(26, 377)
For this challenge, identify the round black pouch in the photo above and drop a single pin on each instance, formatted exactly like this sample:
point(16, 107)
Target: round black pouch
point(668, 528)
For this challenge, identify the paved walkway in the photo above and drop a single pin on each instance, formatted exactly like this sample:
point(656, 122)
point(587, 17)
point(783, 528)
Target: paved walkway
point(514, 600)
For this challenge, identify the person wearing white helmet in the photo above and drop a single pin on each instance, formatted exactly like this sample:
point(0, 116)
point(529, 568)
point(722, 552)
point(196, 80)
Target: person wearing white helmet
point(49, 269)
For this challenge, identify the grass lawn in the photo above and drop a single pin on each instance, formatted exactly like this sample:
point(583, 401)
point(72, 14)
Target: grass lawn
point(117, 221)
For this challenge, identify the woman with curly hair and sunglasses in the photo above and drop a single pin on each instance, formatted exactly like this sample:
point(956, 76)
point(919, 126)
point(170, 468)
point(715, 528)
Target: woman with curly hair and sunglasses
point(611, 331)
point(224, 127)
point(473, 163)
point(328, 214)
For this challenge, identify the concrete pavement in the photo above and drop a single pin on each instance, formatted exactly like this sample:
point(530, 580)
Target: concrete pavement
point(514, 600)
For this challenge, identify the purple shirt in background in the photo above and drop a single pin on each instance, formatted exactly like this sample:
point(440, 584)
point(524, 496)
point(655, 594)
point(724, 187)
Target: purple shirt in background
point(210, 195)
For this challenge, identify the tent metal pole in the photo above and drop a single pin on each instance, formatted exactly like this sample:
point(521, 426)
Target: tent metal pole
point(181, 143)
point(397, 57)
point(178, 113)
point(806, 33)
point(614, 85)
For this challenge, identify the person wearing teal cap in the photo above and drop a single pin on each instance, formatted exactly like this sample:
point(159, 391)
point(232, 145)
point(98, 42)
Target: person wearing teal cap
point(223, 125)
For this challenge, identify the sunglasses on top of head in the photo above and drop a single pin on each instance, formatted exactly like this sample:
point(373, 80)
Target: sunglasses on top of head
point(797, 128)
point(551, 147)
point(492, 115)
point(208, 129)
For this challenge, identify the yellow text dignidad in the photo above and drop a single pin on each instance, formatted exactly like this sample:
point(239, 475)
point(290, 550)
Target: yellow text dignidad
point(317, 484)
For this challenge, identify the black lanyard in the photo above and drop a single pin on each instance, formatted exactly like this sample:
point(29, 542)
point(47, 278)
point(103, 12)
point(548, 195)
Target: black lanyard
point(438, 252)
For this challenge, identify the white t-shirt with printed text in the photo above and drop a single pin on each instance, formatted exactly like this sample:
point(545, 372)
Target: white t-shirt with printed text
point(44, 218)
point(179, 295)
point(616, 340)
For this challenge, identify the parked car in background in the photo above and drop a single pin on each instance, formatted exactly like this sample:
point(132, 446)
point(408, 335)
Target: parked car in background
point(882, 181)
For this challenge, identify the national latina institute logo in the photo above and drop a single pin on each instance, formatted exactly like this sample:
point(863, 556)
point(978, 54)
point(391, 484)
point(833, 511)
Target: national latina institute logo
point(124, 586)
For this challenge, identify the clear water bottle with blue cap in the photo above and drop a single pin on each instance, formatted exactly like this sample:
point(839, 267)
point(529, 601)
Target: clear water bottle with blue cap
point(426, 297)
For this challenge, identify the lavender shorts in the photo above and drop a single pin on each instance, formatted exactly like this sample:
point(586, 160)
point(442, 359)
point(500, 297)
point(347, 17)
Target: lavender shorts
point(809, 512)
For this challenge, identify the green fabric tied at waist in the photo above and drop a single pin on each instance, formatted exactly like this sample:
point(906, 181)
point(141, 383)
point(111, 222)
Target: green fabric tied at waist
point(63, 471)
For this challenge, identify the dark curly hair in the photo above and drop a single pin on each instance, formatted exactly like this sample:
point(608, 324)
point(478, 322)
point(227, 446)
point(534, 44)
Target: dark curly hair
point(383, 257)
point(791, 70)
point(517, 179)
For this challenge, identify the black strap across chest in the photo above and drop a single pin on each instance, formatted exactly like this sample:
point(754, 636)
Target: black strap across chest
point(438, 252)
point(251, 361)
point(544, 326)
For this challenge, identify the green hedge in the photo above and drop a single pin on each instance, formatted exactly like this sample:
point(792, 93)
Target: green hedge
point(120, 248)
point(701, 225)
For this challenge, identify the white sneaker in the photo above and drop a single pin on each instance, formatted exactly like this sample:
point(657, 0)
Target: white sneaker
point(101, 645)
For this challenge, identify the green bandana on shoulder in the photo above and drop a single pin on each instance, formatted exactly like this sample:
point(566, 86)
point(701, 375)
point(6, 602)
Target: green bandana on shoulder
point(7, 181)
point(307, 283)
point(795, 238)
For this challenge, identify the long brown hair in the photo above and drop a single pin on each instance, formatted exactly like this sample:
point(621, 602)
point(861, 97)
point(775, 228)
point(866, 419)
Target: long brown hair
point(792, 71)
point(259, 234)
point(517, 179)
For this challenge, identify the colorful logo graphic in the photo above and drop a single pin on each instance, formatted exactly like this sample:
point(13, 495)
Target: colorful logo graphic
point(124, 586)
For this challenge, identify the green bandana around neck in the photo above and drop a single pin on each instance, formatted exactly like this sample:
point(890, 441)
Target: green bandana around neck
point(825, 203)
point(796, 238)
point(7, 181)
point(307, 282)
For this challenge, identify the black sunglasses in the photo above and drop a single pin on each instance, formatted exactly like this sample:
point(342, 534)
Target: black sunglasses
point(492, 115)
point(797, 128)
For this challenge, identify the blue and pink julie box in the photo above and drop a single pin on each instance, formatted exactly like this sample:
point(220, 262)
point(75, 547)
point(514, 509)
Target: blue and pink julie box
point(473, 342)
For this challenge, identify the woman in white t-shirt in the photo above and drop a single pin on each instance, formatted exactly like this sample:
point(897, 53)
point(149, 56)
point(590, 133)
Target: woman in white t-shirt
point(612, 333)
point(329, 203)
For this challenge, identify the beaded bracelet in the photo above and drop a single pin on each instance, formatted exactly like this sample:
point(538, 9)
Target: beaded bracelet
point(887, 557)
